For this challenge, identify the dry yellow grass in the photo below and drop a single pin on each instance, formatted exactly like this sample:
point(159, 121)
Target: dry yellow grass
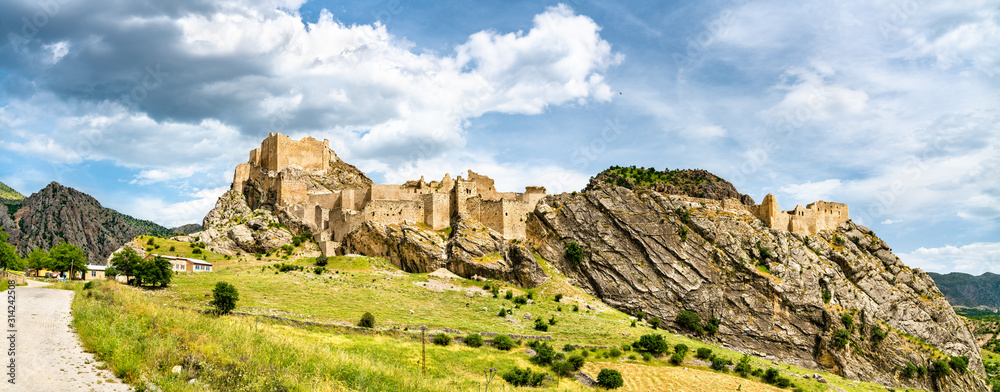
point(640, 378)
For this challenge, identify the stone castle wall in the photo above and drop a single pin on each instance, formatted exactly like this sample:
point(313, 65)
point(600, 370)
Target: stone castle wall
point(808, 220)
point(331, 215)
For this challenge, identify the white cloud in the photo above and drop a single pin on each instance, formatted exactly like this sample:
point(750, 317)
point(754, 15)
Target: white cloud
point(891, 221)
point(813, 191)
point(175, 214)
point(975, 258)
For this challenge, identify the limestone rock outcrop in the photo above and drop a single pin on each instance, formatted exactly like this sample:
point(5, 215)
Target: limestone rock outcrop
point(774, 291)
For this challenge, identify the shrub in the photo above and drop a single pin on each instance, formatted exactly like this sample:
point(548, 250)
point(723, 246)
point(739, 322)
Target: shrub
point(562, 368)
point(653, 343)
point(848, 321)
point(88, 285)
point(585, 353)
point(614, 352)
point(552, 320)
point(721, 364)
point(496, 292)
point(502, 313)
point(503, 342)
point(442, 339)
point(474, 340)
point(837, 240)
point(576, 308)
point(322, 261)
point(288, 249)
point(196, 251)
point(150, 242)
point(681, 348)
point(703, 353)
point(921, 370)
point(878, 335)
point(743, 368)
point(960, 364)
point(646, 357)
point(654, 322)
point(523, 377)
point(173, 248)
point(689, 320)
point(319, 270)
point(840, 338)
point(909, 371)
point(577, 361)
point(826, 296)
point(544, 354)
point(569, 347)
point(296, 241)
point(574, 253)
point(626, 347)
point(770, 375)
point(224, 297)
point(520, 300)
point(610, 379)
point(676, 359)
point(541, 325)
point(509, 295)
point(559, 297)
point(367, 321)
point(712, 326)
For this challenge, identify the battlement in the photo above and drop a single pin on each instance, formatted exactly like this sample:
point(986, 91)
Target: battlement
point(278, 151)
point(811, 219)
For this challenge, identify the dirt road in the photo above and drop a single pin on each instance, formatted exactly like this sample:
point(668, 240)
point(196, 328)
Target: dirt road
point(49, 356)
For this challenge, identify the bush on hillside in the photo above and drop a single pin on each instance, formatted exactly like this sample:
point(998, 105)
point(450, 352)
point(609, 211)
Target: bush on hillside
point(503, 342)
point(321, 261)
point(653, 343)
point(367, 321)
point(574, 253)
point(224, 297)
point(523, 377)
point(442, 339)
point(689, 320)
point(544, 354)
point(703, 353)
point(610, 379)
point(577, 361)
point(474, 340)
point(541, 325)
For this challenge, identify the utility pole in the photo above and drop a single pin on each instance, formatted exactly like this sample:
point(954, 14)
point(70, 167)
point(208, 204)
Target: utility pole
point(423, 349)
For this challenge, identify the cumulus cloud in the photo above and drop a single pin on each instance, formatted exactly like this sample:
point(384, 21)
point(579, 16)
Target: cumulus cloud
point(975, 258)
point(175, 214)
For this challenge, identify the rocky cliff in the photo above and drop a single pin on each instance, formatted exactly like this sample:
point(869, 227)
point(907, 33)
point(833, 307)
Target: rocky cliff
point(58, 214)
point(814, 301)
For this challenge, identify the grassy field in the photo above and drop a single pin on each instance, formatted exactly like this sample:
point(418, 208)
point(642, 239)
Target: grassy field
point(161, 246)
point(315, 358)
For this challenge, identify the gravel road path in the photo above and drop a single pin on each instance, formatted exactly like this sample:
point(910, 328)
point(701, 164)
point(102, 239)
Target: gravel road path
point(49, 354)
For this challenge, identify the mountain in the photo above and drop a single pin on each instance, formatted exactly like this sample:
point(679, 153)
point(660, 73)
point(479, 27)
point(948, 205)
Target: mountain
point(8, 193)
point(58, 214)
point(187, 229)
point(806, 286)
point(967, 290)
point(816, 300)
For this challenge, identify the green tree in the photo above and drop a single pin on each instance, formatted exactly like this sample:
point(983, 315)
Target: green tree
point(155, 271)
point(68, 257)
point(127, 263)
point(689, 320)
point(367, 321)
point(8, 256)
point(224, 297)
point(574, 253)
point(610, 379)
point(38, 259)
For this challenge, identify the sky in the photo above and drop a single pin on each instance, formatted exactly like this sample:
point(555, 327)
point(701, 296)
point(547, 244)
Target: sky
point(888, 106)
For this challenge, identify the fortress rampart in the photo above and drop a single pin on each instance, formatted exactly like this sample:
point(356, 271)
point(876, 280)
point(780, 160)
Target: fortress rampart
point(811, 219)
point(332, 214)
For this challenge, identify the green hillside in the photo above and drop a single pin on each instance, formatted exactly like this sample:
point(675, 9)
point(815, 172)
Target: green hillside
point(143, 333)
point(9, 193)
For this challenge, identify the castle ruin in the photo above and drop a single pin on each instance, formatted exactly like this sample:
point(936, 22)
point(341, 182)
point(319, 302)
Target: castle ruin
point(332, 214)
point(808, 220)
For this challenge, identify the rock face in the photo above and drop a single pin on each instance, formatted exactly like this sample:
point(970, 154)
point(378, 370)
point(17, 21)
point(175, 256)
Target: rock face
point(773, 291)
point(472, 249)
point(59, 214)
point(187, 229)
point(232, 227)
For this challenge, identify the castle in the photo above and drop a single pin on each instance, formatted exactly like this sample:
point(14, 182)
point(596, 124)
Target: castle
point(331, 214)
point(808, 220)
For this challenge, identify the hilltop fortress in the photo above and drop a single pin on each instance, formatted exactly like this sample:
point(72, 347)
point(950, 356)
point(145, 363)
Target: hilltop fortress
point(330, 198)
point(331, 212)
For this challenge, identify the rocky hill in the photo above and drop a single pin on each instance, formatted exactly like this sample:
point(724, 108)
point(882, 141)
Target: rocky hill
point(58, 214)
point(839, 300)
point(967, 290)
point(187, 229)
point(8, 193)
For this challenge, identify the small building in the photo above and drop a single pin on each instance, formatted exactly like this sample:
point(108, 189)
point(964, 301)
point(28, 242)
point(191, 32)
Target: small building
point(94, 272)
point(184, 264)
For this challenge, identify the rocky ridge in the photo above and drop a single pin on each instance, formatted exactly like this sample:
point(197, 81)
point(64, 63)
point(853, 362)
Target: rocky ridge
point(774, 292)
point(58, 214)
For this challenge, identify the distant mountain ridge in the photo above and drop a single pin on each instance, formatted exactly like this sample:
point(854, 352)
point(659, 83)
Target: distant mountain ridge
point(967, 290)
point(58, 214)
point(187, 229)
point(9, 193)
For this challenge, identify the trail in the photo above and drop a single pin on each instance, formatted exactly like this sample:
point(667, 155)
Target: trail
point(49, 355)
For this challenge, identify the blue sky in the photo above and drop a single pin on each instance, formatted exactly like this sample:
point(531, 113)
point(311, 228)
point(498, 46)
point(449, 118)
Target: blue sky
point(889, 106)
